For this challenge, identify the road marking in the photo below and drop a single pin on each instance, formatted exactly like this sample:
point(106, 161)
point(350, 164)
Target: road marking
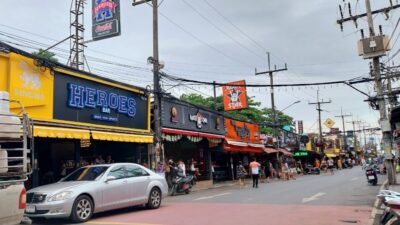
point(212, 196)
point(355, 178)
point(314, 197)
point(117, 223)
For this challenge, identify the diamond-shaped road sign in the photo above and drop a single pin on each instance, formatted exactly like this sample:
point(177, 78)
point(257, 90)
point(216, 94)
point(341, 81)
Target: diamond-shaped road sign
point(329, 123)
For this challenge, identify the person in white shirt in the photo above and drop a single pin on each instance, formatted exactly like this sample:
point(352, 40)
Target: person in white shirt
point(182, 166)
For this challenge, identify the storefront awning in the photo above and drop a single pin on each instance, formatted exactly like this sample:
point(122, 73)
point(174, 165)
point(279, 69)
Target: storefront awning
point(238, 146)
point(330, 155)
point(285, 152)
point(190, 133)
point(58, 132)
point(112, 136)
point(270, 150)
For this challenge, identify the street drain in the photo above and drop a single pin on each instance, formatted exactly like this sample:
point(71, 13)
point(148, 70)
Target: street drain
point(349, 221)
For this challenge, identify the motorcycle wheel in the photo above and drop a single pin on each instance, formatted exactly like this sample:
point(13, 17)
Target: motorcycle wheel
point(375, 182)
point(187, 191)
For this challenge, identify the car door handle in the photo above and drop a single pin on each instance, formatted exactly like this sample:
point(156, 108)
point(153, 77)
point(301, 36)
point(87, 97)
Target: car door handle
point(125, 181)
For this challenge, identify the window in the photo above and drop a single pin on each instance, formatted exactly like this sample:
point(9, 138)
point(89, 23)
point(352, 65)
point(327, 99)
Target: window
point(117, 172)
point(86, 174)
point(135, 171)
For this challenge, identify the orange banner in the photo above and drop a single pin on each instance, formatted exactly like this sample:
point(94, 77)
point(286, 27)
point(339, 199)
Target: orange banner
point(235, 97)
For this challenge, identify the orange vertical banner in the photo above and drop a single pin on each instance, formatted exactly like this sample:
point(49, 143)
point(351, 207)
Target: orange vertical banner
point(234, 95)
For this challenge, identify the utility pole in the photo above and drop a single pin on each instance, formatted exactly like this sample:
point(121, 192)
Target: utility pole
point(354, 132)
point(376, 73)
point(215, 95)
point(365, 135)
point(344, 128)
point(156, 77)
point(319, 103)
point(271, 78)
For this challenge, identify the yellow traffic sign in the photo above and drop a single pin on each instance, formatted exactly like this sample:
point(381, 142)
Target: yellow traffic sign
point(329, 123)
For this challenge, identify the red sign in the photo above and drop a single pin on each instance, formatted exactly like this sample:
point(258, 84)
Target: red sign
point(334, 130)
point(234, 94)
point(300, 126)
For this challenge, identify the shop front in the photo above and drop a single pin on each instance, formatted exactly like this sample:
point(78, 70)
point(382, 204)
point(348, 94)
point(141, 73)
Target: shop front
point(79, 118)
point(193, 135)
point(242, 143)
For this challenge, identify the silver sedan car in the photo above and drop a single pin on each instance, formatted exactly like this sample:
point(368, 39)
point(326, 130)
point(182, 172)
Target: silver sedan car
point(97, 188)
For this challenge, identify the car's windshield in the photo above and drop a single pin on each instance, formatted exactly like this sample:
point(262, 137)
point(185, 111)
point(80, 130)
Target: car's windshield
point(86, 174)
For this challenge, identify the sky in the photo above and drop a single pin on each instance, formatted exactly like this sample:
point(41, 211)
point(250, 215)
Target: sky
point(222, 41)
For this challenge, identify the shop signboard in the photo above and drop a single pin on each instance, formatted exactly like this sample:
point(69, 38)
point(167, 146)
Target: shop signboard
point(300, 126)
point(234, 95)
point(242, 131)
point(106, 19)
point(182, 116)
point(300, 153)
point(86, 101)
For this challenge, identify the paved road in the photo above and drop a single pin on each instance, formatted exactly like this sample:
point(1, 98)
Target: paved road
point(342, 198)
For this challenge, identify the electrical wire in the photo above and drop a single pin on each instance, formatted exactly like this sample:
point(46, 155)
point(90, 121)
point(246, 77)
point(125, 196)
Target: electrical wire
point(351, 81)
point(222, 31)
point(203, 42)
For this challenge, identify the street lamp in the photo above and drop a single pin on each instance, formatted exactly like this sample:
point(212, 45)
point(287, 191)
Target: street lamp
point(298, 101)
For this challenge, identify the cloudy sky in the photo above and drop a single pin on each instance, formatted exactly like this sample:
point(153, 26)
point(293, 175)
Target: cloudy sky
point(224, 41)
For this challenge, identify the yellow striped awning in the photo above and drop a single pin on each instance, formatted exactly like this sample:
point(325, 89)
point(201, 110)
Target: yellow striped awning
point(330, 155)
point(58, 132)
point(112, 136)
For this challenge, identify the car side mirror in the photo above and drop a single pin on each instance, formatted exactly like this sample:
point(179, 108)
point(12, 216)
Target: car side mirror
point(110, 178)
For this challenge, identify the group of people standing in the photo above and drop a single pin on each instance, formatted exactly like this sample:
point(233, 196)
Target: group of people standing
point(284, 169)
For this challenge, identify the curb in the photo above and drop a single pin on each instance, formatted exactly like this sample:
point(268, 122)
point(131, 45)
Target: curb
point(376, 205)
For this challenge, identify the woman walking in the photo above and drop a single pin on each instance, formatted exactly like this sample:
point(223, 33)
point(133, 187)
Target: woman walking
point(267, 170)
point(240, 173)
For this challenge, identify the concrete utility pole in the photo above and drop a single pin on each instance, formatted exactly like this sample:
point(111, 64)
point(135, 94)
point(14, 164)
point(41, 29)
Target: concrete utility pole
point(319, 103)
point(156, 76)
point(271, 78)
point(344, 128)
point(376, 73)
point(354, 132)
point(365, 135)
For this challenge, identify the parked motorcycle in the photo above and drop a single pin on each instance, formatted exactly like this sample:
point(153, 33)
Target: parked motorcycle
point(309, 169)
point(391, 213)
point(370, 172)
point(180, 182)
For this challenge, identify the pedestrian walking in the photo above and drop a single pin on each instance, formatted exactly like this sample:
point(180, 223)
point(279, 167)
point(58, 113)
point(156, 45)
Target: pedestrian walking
point(330, 165)
point(267, 170)
point(240, 173)
point(255, 172)
point(324, 165)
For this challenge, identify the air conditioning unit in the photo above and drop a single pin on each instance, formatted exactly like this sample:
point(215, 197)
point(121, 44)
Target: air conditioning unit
point(373, 46)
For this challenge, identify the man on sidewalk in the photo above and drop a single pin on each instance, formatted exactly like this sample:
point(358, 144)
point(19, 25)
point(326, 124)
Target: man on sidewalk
point(255, 168)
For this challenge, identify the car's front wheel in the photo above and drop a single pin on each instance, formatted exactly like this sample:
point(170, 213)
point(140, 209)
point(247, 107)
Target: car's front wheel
point(82, 210)
point(154, 199)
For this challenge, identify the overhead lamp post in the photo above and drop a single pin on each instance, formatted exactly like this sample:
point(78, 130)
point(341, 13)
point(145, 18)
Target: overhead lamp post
point(296, 102)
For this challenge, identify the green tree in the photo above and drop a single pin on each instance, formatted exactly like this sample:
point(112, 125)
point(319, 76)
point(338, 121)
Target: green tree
point(252, 114)
point(46, 54)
